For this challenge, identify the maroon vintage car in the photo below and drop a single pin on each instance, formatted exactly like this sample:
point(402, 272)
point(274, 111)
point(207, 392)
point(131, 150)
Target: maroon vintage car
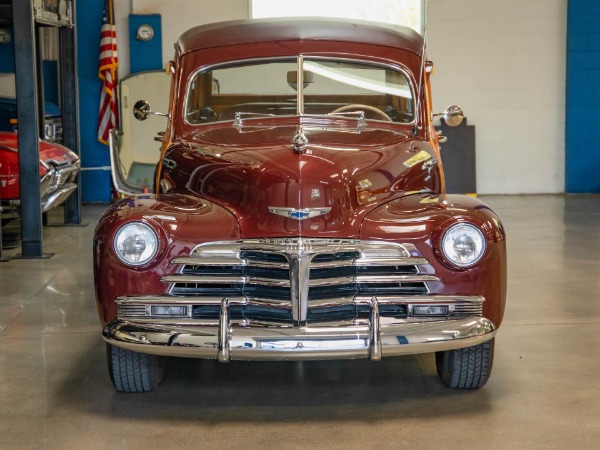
point(299, 212)
point(58, 168)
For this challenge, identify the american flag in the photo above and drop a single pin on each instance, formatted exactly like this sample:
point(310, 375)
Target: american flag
point(108, 116)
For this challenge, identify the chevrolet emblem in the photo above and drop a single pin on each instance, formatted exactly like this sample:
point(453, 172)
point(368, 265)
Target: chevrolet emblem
point(299, 214)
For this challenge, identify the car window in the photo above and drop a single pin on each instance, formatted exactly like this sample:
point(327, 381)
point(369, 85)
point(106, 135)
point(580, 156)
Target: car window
point(329, 86)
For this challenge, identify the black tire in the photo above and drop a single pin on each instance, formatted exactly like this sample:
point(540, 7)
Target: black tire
point(134, 372)
point(466, 368)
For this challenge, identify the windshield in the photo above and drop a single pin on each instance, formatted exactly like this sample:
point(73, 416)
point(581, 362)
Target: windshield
point(328, 87)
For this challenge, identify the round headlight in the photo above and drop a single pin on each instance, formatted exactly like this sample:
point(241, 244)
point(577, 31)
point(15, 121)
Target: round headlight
point(463, 244)
point(136, 243)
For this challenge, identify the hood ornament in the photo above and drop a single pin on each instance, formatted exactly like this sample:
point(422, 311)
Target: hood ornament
point(299, 214)
point(299, 141)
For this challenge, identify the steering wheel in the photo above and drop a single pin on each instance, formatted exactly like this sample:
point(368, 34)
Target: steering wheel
point(358, 107)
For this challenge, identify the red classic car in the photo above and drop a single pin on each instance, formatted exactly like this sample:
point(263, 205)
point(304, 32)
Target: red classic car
point(300, 212)
point(58, 168)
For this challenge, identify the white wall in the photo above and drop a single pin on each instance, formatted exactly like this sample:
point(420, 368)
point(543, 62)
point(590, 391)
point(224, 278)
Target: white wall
point(177, 17)
point(504, 63)
point(7, 85)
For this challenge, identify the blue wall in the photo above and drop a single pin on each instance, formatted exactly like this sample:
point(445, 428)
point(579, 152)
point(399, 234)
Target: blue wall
point(145, 55)
point(583, 97)
point(95, 159)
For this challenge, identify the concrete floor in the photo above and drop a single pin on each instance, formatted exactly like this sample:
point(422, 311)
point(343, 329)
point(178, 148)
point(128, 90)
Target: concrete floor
point(544, 391)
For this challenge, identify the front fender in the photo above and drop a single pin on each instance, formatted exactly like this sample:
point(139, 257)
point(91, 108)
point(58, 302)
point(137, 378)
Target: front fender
point(180, 221)
point(421, 219)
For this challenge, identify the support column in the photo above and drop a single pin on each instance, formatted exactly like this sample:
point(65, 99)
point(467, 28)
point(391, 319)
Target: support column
point(27, 115)
point(68, 71)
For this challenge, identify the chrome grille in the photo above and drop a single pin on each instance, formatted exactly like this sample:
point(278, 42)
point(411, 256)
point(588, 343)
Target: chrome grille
point(300, 279)
point(265, 270)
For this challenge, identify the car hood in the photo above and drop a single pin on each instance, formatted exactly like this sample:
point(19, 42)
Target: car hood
point(341, 175)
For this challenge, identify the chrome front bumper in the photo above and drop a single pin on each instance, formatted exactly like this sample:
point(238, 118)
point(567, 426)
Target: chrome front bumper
point(227, 340)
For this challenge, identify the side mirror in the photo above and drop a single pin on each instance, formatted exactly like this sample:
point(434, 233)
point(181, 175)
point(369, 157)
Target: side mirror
point(453, 116)
point(142, 109)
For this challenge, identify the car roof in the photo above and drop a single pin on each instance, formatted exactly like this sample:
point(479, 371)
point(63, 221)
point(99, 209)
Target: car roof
point(248, 31)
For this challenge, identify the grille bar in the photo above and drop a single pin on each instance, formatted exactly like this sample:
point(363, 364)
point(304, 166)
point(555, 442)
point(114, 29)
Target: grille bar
point(201, 279)
point(363, 262)
point(204, 279)
point(283, 246)
point(226, 262)
point(190, 260)
point(367, 279)
point(374, 262)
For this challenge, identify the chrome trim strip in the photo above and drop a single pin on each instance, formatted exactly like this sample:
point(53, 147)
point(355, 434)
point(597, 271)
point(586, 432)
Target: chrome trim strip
point(370, 250)
point(267, 265)
point(400, 278)
point(368, 262)
point(228, 279)
point(227, 262)
point(192, 261)
point(372, 279)
point(273, 303)
point(172, 299)
point(432, 298)
point(359, 299)
point(298, 343)
point(268, 281)
point(384, 262)
point(329, 302)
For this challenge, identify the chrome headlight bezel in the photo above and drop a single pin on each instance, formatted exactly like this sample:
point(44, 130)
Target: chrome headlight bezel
point(142, 230)
point(447, 241)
